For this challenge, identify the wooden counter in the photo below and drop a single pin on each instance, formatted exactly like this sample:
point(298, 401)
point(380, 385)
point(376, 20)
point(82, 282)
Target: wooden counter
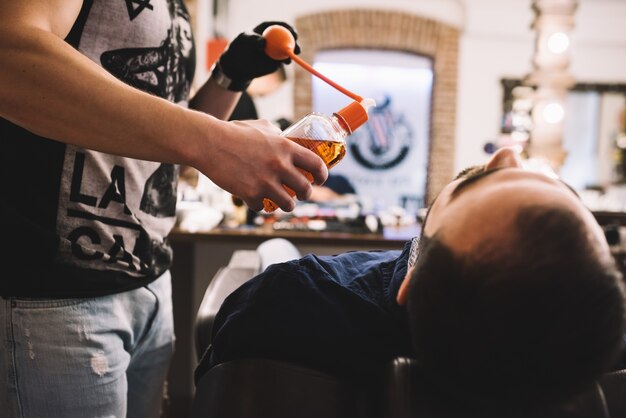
point(391, 237)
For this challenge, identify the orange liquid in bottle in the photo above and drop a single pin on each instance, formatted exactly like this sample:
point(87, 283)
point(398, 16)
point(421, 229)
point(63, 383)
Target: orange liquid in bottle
point(331, 152)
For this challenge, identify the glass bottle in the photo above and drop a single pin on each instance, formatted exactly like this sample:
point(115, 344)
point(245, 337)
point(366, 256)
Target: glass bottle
point(325, 135)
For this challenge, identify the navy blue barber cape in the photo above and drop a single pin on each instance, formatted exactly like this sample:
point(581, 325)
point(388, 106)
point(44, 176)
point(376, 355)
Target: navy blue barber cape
point(335, 313)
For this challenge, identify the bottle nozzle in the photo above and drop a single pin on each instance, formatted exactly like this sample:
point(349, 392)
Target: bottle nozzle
point(279, 42)
point(355, 114)
point(367, 103)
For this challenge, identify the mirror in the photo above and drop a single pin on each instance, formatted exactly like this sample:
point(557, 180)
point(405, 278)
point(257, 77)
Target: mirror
point(577, 128)
point(594, 136)
point(594, 139)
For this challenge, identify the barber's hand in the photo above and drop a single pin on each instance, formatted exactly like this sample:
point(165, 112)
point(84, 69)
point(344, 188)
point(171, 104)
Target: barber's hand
point(252, 161)
point(245, 58)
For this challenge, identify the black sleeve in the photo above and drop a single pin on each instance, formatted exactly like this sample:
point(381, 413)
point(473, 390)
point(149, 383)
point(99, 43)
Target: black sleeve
point(245, 108)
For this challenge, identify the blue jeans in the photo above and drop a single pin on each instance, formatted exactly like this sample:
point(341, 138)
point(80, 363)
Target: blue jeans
point(93, 357)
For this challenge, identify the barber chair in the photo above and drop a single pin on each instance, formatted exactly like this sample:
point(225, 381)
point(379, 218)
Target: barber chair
point(263, 388)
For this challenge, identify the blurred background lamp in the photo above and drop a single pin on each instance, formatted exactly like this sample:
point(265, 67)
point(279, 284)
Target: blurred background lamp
point(519, 136)
point(558, 42)
point(539, 165)
point(553, 113)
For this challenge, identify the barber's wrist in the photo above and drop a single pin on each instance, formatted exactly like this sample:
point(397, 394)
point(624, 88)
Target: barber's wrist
point(222, 80)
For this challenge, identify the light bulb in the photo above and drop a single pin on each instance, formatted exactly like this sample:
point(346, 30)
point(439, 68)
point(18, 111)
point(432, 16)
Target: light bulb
point(558, 42)
point(553, 113)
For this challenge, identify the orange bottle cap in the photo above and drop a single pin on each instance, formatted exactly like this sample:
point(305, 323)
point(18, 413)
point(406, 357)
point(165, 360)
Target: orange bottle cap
point(279, 42)
point(353, 115)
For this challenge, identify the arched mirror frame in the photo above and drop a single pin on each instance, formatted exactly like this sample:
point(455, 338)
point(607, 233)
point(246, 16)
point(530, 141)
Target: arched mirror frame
point(390, 30)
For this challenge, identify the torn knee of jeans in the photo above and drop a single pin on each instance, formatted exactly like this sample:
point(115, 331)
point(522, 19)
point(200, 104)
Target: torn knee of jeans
point(99, 364)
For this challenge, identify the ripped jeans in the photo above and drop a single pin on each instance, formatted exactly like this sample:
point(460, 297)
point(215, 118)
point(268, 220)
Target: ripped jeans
point(93, 357)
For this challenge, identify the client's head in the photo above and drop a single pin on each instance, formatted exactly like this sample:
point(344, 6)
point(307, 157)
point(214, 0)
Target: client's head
point(515, 298)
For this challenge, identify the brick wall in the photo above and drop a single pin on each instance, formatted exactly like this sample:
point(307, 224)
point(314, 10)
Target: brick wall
point(379, 29)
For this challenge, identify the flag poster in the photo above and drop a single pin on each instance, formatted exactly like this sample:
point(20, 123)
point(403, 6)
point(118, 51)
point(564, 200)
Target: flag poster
point(387, 158)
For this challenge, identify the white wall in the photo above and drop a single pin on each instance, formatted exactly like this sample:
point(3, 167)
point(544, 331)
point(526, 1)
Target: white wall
point(245, 14)
point(496, 42)
point(599, 41)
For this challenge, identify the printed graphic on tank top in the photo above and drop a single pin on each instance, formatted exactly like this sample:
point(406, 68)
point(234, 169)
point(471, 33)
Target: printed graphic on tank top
point(114, 212)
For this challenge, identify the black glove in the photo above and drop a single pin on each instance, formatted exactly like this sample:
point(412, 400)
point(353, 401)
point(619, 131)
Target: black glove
point(245, 59)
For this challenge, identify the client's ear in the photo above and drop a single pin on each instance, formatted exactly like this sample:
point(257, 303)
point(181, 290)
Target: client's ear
point(404, 288)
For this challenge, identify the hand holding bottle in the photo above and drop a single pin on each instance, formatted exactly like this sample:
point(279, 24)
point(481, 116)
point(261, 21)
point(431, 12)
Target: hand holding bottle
point(256, 162)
